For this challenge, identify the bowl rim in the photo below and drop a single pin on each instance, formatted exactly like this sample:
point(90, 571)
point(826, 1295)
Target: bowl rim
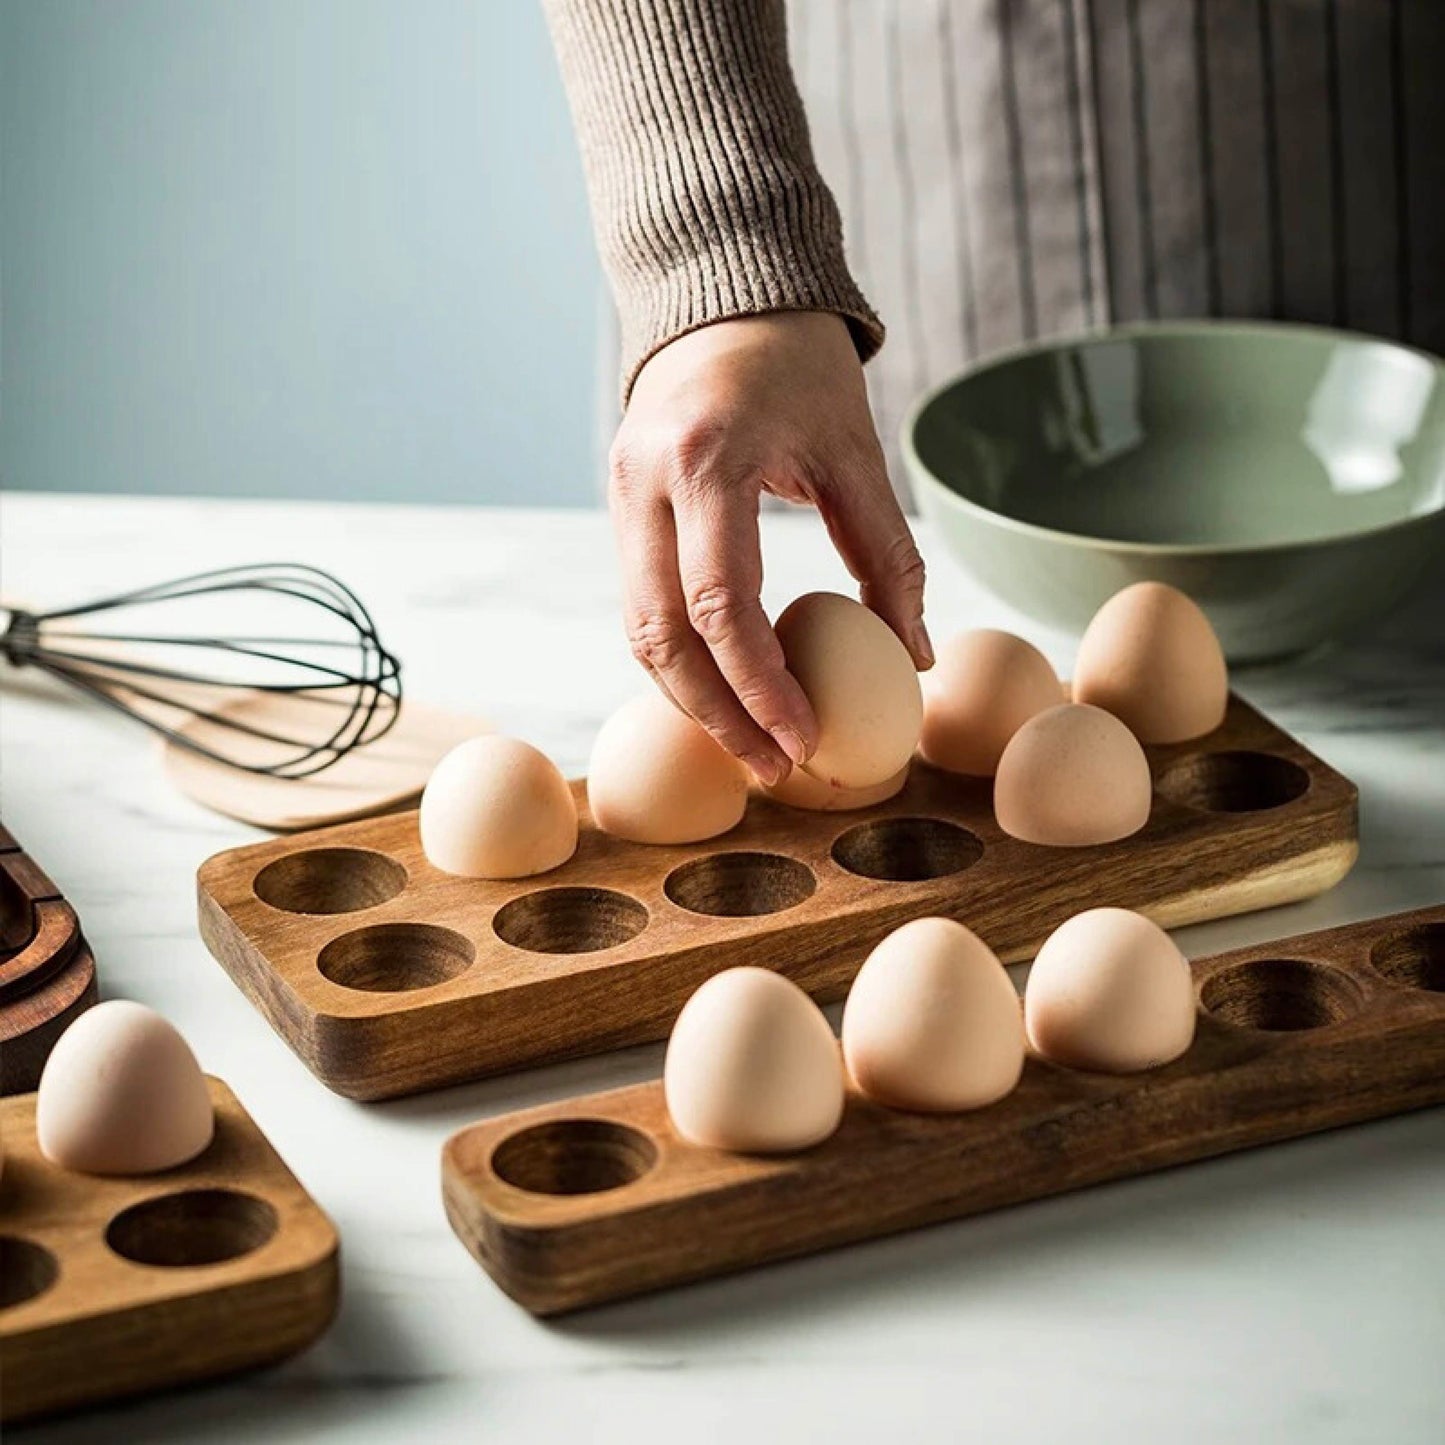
point(1152, 329)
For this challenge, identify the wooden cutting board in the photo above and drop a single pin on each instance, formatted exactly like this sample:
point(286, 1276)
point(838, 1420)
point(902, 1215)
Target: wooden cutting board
point(378, 777)
point(389, 977)
point(596, 1198)
point(113, 1287)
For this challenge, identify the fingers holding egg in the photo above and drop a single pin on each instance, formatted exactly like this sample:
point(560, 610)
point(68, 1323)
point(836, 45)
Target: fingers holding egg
point(801, 790)
point(861, 684)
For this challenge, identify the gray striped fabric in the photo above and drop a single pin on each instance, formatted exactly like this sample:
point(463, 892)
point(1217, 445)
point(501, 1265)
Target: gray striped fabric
point(1013, 169)
point(1010, 169)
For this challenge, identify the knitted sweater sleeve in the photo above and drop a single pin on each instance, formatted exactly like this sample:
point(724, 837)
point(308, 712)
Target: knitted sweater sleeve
point(705, 198)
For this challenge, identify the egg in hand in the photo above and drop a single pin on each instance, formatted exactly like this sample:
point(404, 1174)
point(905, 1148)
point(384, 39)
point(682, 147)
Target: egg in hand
point(861, 684)
point(802, 790)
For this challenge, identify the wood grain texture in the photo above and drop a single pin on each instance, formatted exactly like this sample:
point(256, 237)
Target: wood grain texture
point(388, 977)
point(380, 777)
point(595, 1198)
point(146, 1287)
point(47, 972)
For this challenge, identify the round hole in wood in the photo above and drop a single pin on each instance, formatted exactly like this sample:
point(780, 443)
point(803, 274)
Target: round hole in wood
point(1234, 782)
point(395, 957)
point(329, 880)
point(1281, 995)
point(574, 1156)
point(907, 850)
point(196, 1226)
point(569, 920)
point(1413, 959)
point(27, 1269)
point(740, 885)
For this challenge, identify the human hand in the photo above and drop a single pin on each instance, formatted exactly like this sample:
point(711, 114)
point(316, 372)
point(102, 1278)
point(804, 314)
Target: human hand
point(756, 404)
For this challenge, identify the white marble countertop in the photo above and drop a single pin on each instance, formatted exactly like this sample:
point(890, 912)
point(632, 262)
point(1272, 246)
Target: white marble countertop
point(1295, 1293)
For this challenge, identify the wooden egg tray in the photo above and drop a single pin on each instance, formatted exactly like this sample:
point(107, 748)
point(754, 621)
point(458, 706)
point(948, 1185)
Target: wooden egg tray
point(596, 1198)
point(388, 977)
point(112, 1287)
point(47, 973)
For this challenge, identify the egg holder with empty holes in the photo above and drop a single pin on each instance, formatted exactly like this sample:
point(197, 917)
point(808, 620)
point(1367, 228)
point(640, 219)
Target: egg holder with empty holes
point(388, 977)
point(596, 1198)
point(119, 1286)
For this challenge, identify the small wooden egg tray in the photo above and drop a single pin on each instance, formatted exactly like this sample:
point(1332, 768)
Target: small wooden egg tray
point(119, 1286)
point(47, 973)
point(388, 977)
point(596, 1198)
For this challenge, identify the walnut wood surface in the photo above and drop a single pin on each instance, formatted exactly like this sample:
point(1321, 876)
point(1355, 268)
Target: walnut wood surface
point(388, 977)
point(47, 972)
point(111, 1322)
point(1294, 1036)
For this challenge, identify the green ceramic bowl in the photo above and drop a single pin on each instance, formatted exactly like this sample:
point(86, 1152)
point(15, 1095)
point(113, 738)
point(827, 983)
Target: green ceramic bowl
point(1290, 479)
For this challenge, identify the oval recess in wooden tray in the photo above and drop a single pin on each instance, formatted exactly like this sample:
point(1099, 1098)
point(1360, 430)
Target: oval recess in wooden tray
point(388, 977)
point(121, 1286)
point(596, 1198)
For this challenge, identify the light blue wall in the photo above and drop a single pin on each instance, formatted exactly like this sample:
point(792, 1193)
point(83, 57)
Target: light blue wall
point(312, 248)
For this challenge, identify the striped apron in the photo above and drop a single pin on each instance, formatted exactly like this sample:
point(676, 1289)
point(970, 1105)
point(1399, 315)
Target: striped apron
point(1013, 169)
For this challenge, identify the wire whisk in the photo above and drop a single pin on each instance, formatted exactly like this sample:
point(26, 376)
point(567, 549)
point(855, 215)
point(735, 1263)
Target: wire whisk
point(187, 650)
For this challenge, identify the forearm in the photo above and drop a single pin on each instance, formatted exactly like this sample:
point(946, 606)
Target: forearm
point(705, 196)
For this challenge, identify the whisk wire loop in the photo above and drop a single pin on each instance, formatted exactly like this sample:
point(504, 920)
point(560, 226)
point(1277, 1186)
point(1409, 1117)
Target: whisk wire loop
point(342, 684)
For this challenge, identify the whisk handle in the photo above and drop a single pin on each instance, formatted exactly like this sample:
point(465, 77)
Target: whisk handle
point(20, 634)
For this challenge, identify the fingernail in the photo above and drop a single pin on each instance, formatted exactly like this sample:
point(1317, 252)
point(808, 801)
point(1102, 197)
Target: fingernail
point(766, 770)
point(791, 742)
point(922, 647)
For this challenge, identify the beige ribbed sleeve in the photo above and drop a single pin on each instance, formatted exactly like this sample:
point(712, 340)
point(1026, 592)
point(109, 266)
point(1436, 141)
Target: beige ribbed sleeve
point(704, 194)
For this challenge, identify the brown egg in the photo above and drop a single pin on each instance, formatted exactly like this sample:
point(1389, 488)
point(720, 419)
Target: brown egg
point(1110, 991)
point(984, 687)
point(862, 686)
point(932, 1022)
point(495, 807)
point(798, 790)
point(656, 776)
point(121, 1093)
point(752, 1066)
point(1070, 777)
point(1151, 658)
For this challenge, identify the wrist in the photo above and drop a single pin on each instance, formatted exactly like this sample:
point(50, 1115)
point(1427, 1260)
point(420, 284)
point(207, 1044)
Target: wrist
point(855, 330)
